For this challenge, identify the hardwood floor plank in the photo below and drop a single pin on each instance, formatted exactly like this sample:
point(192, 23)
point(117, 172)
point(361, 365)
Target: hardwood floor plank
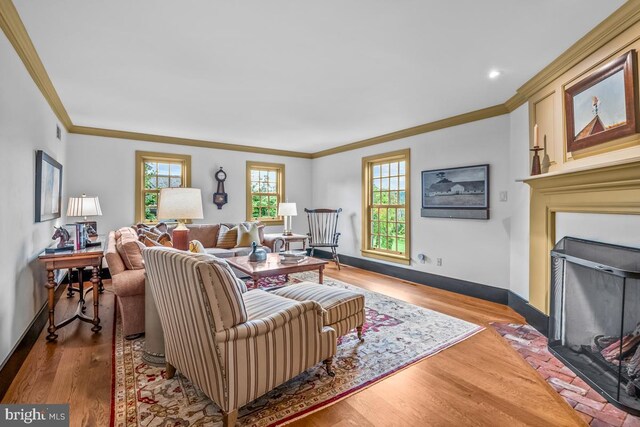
point(478, 382)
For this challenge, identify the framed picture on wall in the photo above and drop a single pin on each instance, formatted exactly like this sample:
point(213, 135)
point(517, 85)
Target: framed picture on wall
point(48, 187)
point(602, 106)
point(456, 192)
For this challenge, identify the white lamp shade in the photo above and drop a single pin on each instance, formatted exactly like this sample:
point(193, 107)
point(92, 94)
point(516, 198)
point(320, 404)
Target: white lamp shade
point(287, 209)
point(84, 206)
point(180, 203)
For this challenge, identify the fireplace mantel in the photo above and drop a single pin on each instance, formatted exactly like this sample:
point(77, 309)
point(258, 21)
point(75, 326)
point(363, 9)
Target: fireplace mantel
point(612, 188)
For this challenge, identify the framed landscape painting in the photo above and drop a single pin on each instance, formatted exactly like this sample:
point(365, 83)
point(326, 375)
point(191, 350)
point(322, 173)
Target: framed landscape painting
point(48, 187)
point(602, 106)
point(456, 192)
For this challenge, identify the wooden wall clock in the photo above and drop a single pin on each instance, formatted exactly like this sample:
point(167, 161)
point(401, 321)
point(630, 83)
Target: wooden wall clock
point(220, 197)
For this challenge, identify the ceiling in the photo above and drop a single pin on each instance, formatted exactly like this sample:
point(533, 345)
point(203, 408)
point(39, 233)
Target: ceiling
point(294, 75)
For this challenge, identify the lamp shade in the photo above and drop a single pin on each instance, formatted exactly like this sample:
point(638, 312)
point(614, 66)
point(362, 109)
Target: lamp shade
point(180, 203)
point(84, 206)
point(287, 209)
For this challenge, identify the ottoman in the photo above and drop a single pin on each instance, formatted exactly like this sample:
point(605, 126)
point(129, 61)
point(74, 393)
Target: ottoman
point(344, 310)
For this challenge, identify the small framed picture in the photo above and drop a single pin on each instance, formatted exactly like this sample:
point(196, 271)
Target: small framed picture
point(456, 192)
point(602, 106)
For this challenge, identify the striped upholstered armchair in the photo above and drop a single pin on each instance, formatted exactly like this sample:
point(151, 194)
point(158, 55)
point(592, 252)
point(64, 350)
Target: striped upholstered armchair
point(214, 329)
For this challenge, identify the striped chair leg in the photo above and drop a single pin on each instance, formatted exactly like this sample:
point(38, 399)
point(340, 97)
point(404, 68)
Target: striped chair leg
point(359, 330)
point(229, 418)
point(328, 363)
point(170, 370)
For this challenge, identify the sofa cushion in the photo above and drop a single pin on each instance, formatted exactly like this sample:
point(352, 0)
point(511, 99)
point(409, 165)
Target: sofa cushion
point(207, 234)
point(114, 261)
point(227, 237)
point(338, 303)
point(130, 250)
point(219, 252)
point(247, 234)
point(260, 304)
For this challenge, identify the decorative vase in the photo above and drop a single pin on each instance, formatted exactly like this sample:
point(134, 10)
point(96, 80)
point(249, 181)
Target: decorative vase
point(257, 254)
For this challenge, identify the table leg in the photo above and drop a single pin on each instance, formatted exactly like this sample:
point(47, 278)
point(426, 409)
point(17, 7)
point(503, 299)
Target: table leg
point(51, 286)
point(70, 285)
point(95, 280)
point(321, 275)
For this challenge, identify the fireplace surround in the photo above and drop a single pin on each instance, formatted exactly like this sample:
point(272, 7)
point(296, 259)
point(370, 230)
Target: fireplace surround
point(594, 322)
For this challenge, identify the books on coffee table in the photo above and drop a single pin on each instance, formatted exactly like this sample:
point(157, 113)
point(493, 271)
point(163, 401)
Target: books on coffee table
point(292, 257)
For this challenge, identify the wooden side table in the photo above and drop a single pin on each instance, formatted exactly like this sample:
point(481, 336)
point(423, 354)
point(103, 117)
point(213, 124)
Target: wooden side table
point(89, 257)
point(289, 239)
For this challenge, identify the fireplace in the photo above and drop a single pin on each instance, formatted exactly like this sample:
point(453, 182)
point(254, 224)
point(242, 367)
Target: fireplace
point(594, 323)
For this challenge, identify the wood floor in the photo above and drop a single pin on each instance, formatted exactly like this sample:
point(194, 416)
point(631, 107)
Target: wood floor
point(479, 382)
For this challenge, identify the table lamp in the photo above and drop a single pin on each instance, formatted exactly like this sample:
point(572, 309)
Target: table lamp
point(85, 206)
point(287, 210)
point(180, 204)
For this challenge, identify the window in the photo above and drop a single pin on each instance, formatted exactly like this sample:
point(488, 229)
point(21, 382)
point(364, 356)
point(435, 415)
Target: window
point(153, 172)
point(265, 190)
point(386, 206)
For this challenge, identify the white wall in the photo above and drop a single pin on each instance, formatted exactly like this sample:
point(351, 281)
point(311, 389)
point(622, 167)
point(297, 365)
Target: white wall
point(27, 124)
point(105, 167)
point(607, 228)
point(519, 192)
point(473, 250)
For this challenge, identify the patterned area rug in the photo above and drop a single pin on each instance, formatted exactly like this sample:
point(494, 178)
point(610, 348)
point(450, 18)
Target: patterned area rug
point(397, 334)
point(592, 407)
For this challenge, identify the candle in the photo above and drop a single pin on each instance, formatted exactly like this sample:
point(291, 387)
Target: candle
point(535, 135)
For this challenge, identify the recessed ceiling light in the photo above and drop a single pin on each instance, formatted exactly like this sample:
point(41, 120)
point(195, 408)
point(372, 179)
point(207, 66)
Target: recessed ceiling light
point(494, 74)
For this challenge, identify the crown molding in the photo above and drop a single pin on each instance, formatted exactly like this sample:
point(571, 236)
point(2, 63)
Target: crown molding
point(618, 22)
point(15, 31)
point(485, 113)
point(121, 134)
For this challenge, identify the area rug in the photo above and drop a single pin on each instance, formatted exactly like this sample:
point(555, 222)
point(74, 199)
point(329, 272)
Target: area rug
point(592, 407)
point(397, 334)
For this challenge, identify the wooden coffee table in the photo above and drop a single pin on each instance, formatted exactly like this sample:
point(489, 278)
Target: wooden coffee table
point(273, 267)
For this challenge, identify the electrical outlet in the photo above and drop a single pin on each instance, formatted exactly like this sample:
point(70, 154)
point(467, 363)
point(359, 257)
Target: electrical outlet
point(422, 258)
point(439, 262)
point(503, 196)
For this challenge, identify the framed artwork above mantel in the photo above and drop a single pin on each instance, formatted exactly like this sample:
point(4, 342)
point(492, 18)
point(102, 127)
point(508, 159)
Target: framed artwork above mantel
point(602, 106)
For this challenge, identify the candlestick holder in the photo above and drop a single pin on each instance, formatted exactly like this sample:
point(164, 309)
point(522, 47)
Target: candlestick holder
point(535, 166)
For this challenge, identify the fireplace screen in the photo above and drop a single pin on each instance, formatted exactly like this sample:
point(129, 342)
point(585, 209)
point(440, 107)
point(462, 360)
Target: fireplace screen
point(594, 325)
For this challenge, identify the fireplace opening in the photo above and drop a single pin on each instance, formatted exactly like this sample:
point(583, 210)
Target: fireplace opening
point(594, 323)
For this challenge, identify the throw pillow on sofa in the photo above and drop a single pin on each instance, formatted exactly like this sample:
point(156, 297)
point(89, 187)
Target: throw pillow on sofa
point(196, 247)
point(130, 250)
point(227, 237)
point(247, 234)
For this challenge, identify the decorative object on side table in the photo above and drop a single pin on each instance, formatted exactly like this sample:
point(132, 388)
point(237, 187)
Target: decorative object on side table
point(287, 210)
point(220, 197)
point(63, 244)
point(257, 254)
point(48, 187)
point(602, 106)
point(461, 192)
point(180, 204)
point(83, 207)
point(546, 161)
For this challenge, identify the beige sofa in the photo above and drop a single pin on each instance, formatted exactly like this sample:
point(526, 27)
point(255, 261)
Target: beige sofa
point(276, 336)
point(207, 234)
